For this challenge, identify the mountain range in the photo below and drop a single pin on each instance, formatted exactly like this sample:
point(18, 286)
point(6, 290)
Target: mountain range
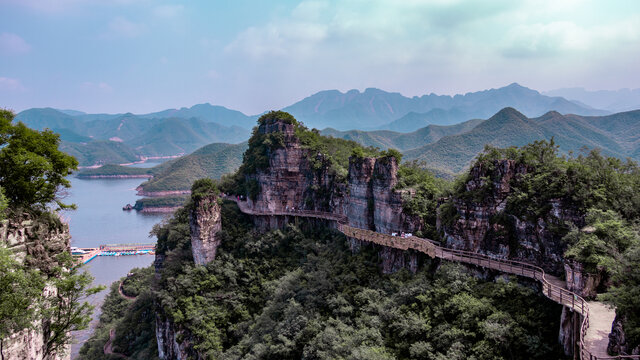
point(615, 135)
point(116, 138)
point(377, 109)
point(103, 138)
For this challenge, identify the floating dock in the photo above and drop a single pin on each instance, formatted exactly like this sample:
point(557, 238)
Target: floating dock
point(84, 255)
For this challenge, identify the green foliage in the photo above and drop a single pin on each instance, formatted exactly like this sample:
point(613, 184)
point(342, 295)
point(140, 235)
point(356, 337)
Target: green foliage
point(422, 191)
point(66, 310)
point(32, 169)
point(163, 201)
point(331, 153)
point(132, 320)
point(290, 294)
point(114, 170)
point(277, 116)
point(138, 282)
point(582, 182)
point(625, 295)
point(211, 161)
point(99, 152)
point(392, 153)
point(3, 204)
point(21, 293)
point(202, 188)
point(603, 245)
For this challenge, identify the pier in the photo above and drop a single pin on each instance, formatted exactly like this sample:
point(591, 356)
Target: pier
point(84, 255)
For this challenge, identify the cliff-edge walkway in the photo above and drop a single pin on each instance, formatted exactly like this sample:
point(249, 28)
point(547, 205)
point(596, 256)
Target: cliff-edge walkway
point(597, 320)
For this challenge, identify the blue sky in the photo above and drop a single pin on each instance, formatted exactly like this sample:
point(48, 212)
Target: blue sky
point(142, 55)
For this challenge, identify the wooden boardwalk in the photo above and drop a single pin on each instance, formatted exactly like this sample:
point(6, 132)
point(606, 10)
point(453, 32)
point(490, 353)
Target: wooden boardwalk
point(596, 321)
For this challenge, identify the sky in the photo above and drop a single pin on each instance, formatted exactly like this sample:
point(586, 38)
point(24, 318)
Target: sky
point(142, 56)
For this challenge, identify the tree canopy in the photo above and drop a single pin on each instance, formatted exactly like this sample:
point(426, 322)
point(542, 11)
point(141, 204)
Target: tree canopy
point(32, 168)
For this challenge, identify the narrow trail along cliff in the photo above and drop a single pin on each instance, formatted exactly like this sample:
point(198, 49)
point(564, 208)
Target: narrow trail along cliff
point(597, 317)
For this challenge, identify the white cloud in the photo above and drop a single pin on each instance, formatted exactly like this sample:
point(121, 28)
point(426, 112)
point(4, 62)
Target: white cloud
point(168, 11)
point(9, 84)
point(120, 26)
point(13, 44)
point(63, 6)
point(96, 86)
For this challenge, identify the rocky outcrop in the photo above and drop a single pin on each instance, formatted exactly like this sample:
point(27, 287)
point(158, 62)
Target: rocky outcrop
point(569, 334)
point(360, 207)
point(295, 179)
point(36, 243)
point(482, 225)
point(169, 348)
point(618, 344)
point(205, 222)
point(583, 283)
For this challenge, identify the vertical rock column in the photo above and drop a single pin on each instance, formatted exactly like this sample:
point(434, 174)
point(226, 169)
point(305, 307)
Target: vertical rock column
point(205, 222)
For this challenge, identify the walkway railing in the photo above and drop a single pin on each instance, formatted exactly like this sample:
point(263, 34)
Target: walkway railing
point(552, 291)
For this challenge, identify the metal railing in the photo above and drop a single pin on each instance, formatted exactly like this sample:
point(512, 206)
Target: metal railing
point(552, 291)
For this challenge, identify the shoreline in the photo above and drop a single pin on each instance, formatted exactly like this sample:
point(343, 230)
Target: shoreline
point(143, 159)
point(141, 192)
point(140, 176)
point(159, 209)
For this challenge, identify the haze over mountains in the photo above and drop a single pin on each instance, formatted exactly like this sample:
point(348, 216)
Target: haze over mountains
point(611, 100)
point(377, 109)
point(393, 120)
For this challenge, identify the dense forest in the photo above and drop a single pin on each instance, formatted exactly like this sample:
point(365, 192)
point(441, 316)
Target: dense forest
point(290, 294)
point(300, 292)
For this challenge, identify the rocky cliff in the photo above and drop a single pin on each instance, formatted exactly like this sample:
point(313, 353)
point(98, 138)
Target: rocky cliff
point(297, 179)
point(617, 340)
point(291, 181)
point(204, 223)
point(173, 343)
point(36, 243)
point(481, 222)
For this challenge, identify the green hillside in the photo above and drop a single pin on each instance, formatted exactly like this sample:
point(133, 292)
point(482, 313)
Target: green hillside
point(111, 169)
point(87, 136)
point(613, 134)
point(385, 139)
point(100, 152)
point(181, 136)
point(211, 161)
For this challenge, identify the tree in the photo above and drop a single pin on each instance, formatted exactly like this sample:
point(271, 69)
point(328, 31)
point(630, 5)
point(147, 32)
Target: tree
point(3, 203)
point(66, 310)
point(32, 168)
point(21, 290)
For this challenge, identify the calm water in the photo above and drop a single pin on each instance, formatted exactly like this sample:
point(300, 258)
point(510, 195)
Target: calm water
point(99, 219)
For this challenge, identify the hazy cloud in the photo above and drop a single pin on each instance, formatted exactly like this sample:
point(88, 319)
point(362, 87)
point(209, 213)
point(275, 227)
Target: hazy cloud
point(120, 26)
point(96, 86)
point(168, 11)
point(9, 84)
point(13, 44)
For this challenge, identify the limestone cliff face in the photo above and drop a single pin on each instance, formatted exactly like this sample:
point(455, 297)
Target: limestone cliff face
point(360, 207)
point(37, 244)
point(617, 340)
point(583, 283)
point(291, 180)
point(483, 226)
point(205, 222)
point(169, 348)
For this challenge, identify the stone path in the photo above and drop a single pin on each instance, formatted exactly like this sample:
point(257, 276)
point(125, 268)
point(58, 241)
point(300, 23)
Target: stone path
point(107, 349)
point(600, 319)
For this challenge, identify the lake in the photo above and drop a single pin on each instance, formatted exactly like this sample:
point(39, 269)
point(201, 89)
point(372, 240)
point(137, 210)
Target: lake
point(100, 219)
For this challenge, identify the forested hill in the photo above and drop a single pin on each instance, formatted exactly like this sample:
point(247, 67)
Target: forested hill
point(616, 135)
point(115, 139)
